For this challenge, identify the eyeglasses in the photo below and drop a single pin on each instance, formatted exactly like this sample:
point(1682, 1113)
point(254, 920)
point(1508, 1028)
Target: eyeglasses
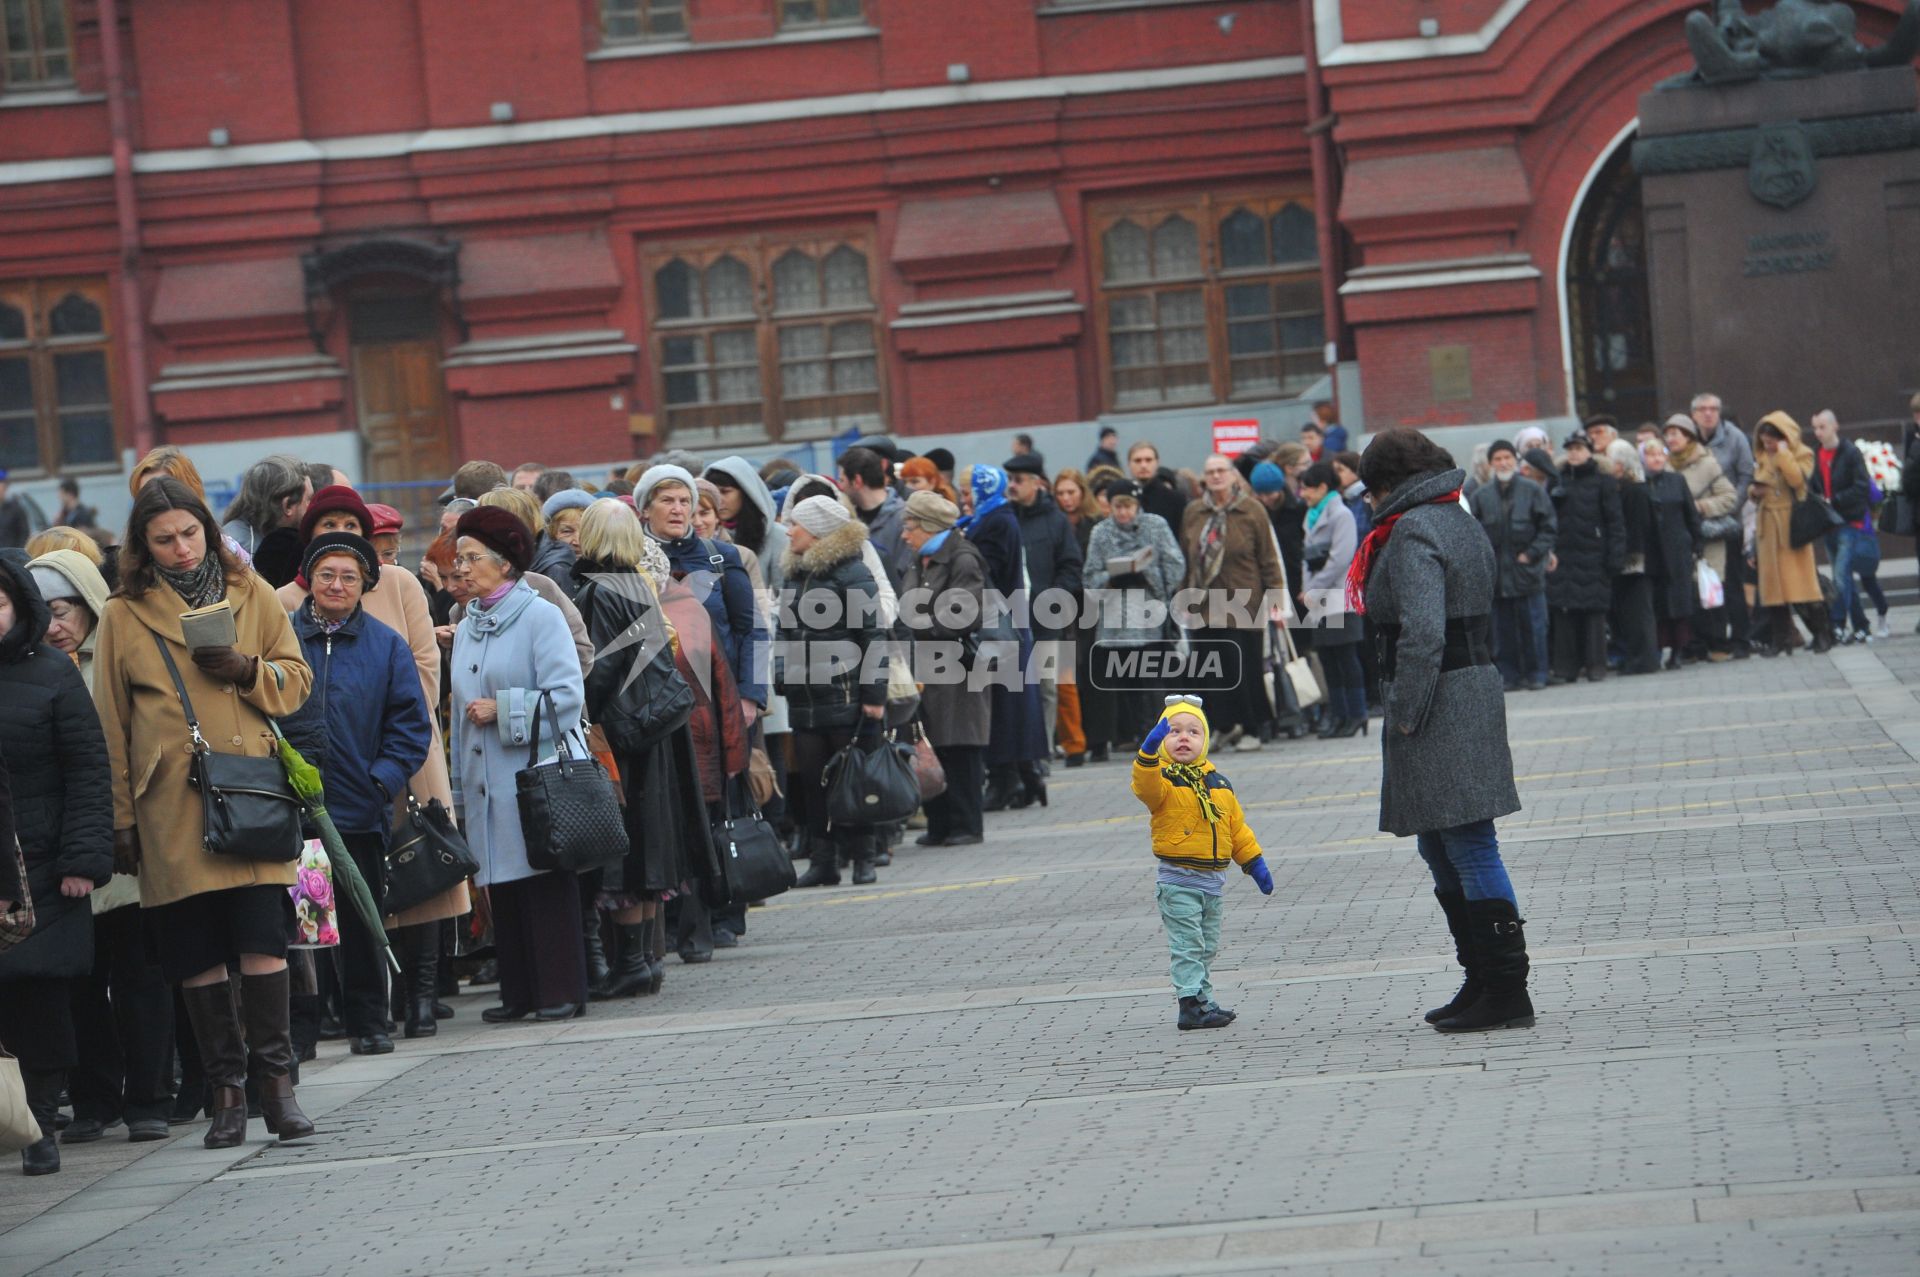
point(468, 560)
point(1171, 701)
point(348, 579)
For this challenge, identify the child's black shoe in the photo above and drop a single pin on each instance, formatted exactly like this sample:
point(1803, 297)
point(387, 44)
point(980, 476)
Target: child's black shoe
point(1195, 1015)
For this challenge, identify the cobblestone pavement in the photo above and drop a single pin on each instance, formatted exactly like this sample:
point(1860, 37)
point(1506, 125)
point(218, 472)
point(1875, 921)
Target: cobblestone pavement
point(972, 1067)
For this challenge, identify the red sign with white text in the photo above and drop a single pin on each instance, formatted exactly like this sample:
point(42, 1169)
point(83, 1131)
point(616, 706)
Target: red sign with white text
point(1231, 438)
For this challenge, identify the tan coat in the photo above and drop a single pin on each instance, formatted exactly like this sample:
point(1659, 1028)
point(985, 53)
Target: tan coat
point(1783, 574)
point(400, 603)
point(1250, 564)
point(1713, 495)
point(148, 744)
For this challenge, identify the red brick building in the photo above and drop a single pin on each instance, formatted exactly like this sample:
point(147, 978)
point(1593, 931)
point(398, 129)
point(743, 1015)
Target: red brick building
point(404, 233)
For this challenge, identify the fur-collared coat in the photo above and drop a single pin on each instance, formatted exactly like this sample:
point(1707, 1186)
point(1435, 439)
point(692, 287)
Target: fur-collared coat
point(1782, 573)
point(835, 615)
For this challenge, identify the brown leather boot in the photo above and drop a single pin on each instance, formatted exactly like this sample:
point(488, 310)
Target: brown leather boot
point(271, 1041)
point(223, 1058)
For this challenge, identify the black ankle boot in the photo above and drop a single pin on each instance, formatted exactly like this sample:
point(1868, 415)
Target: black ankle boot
point(861, 854)
point(1002, 785)
point(1454, 905)
point(1500, 950)
point(823, 869)
point(43, 1087)
point(1195, 1014)
point(695, 939)
point(631, 972)
point(1033, 786)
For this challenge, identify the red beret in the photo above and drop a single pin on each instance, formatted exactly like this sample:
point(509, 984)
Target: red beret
point(336, 499)
point(500, 532)
point(385, 519)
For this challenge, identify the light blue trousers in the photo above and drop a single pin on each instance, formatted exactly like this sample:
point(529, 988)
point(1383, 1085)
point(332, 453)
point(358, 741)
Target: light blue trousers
point(1192, 920)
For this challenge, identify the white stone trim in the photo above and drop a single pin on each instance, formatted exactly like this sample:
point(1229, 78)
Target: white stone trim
point(1566, 248)
point(536, 132)
point(988, 316)
point(655, 48)
point(1335, 52)
point(997, 301)
point(1473, 270)
point(525, 350)
point(48, 97)
point(247, 372)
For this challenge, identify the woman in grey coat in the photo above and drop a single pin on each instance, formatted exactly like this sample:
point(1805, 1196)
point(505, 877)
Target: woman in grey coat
point(512, 650)
point(943, 569)
point(1136, 612)
point(1332, 538)
point(1424, 579)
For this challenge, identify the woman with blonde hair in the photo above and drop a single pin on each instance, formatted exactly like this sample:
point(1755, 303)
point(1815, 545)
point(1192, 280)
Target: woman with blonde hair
point(62, 537)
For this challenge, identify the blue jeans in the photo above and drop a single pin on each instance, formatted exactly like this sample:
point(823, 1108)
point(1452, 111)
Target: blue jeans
point(1865, 565)
point(1537, 607)
point(1841, 543)
point(1466, 859)
point(1192, 919)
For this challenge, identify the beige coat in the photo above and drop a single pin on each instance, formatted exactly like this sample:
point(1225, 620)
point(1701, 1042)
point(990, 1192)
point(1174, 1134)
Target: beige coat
point(1250, 564)
point(148, 744)
point(1713, 494)
point(1783, 574)
point(400, 603)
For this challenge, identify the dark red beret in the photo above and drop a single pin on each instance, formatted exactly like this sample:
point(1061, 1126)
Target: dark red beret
point(500, 532)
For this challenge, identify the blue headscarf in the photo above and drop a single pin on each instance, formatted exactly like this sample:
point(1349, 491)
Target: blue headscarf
point(989, 493)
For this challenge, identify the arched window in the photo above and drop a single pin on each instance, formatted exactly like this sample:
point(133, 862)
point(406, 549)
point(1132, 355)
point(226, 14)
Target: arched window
point(776, 339)
point(1210, 299)
point(1609, 306)
point(56, 393)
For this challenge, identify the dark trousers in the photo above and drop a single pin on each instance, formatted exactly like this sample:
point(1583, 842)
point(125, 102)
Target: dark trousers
point(122, 1025)
point(1514, 650)
point(957, 811)
point(36, 1023)
point(363, 964)
point(1346, 682)
point(812, 750)
point(1633, 625)
point(1737, 577)
point(1579, 643)
point(1246, 707)
point(538, 941)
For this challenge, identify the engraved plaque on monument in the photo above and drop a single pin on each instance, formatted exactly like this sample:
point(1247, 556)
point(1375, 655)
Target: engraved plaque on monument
point(1781, 183)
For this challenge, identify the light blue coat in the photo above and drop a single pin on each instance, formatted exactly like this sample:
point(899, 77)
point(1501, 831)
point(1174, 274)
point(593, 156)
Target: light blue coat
point(511, 653)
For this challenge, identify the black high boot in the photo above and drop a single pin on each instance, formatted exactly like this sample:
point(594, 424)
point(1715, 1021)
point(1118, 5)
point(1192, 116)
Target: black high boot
point(420, 980)
point(1454, 905)
point(695, 933)
point(1003, 783)
point(223, 1057)
point(265, 998)
point(596, 946)
point(1495, 930)
point(657, 947)
point(862, 855)
point(43, 1087)
point(823, 868)
point(631, 973)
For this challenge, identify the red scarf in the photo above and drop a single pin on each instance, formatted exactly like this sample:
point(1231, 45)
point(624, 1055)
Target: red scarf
point(1376, 541)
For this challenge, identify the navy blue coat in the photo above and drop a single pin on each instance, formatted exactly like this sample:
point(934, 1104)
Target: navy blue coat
point(365, 725)
point(737, 622)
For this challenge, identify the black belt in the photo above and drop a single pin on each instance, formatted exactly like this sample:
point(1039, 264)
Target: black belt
point(1469, 643)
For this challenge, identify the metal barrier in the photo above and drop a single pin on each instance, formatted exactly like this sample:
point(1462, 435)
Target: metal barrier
point(417, 500)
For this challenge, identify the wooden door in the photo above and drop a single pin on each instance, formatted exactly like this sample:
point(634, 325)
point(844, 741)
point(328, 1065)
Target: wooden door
point(397, 387)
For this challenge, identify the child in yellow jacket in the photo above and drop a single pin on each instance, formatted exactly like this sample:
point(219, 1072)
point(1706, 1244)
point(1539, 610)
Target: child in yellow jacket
point(1198, 830)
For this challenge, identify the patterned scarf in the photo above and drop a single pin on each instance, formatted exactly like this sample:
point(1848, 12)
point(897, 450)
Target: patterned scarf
point(200, 586)
point(1375, 542)
point(1194, 777)
point(1213, 539)
point(989, 493)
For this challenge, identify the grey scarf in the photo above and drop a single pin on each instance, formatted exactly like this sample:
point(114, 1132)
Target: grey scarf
point(198, 586)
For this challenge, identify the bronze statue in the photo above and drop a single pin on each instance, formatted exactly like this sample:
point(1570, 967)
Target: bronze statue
point(1795, 37)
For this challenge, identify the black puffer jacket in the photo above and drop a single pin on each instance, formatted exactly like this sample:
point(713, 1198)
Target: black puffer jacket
point(821, 659)
point(1591, 541)
point(1675, 544)
point(56, 761)
point(1054, 557)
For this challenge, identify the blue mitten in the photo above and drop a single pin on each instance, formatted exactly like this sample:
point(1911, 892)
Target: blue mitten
point(1257, 870)
point(1150, 743)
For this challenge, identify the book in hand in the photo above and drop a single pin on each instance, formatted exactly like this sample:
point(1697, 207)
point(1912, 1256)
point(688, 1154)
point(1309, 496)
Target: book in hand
point(210, 626)
point(1127, 564)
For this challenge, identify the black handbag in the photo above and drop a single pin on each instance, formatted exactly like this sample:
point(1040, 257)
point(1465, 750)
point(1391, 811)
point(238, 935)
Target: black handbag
point(752, 857)
point(1812, 519)
point(568, 815)
point(248, 808)
point(426, 856)
point(871, 786)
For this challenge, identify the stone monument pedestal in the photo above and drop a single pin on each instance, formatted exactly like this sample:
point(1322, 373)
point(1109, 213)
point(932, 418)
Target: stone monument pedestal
point(1783, 242)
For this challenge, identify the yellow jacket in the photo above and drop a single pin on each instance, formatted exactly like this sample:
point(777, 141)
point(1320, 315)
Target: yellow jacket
point(1182, 835)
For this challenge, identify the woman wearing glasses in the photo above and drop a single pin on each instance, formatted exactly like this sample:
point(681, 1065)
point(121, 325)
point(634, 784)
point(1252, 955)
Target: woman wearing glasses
point(511, 650)
point(1424, 579)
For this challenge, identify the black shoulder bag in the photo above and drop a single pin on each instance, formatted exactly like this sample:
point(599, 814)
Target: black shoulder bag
point(568, 815)
point(249, 809)
point(752, 857)
point(427, 855)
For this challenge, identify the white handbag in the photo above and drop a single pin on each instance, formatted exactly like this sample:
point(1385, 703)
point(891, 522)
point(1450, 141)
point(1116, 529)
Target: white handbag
point(17, 1125)
point(1298, 671)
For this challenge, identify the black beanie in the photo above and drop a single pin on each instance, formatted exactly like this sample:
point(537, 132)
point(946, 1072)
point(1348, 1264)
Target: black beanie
point(342, 543)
